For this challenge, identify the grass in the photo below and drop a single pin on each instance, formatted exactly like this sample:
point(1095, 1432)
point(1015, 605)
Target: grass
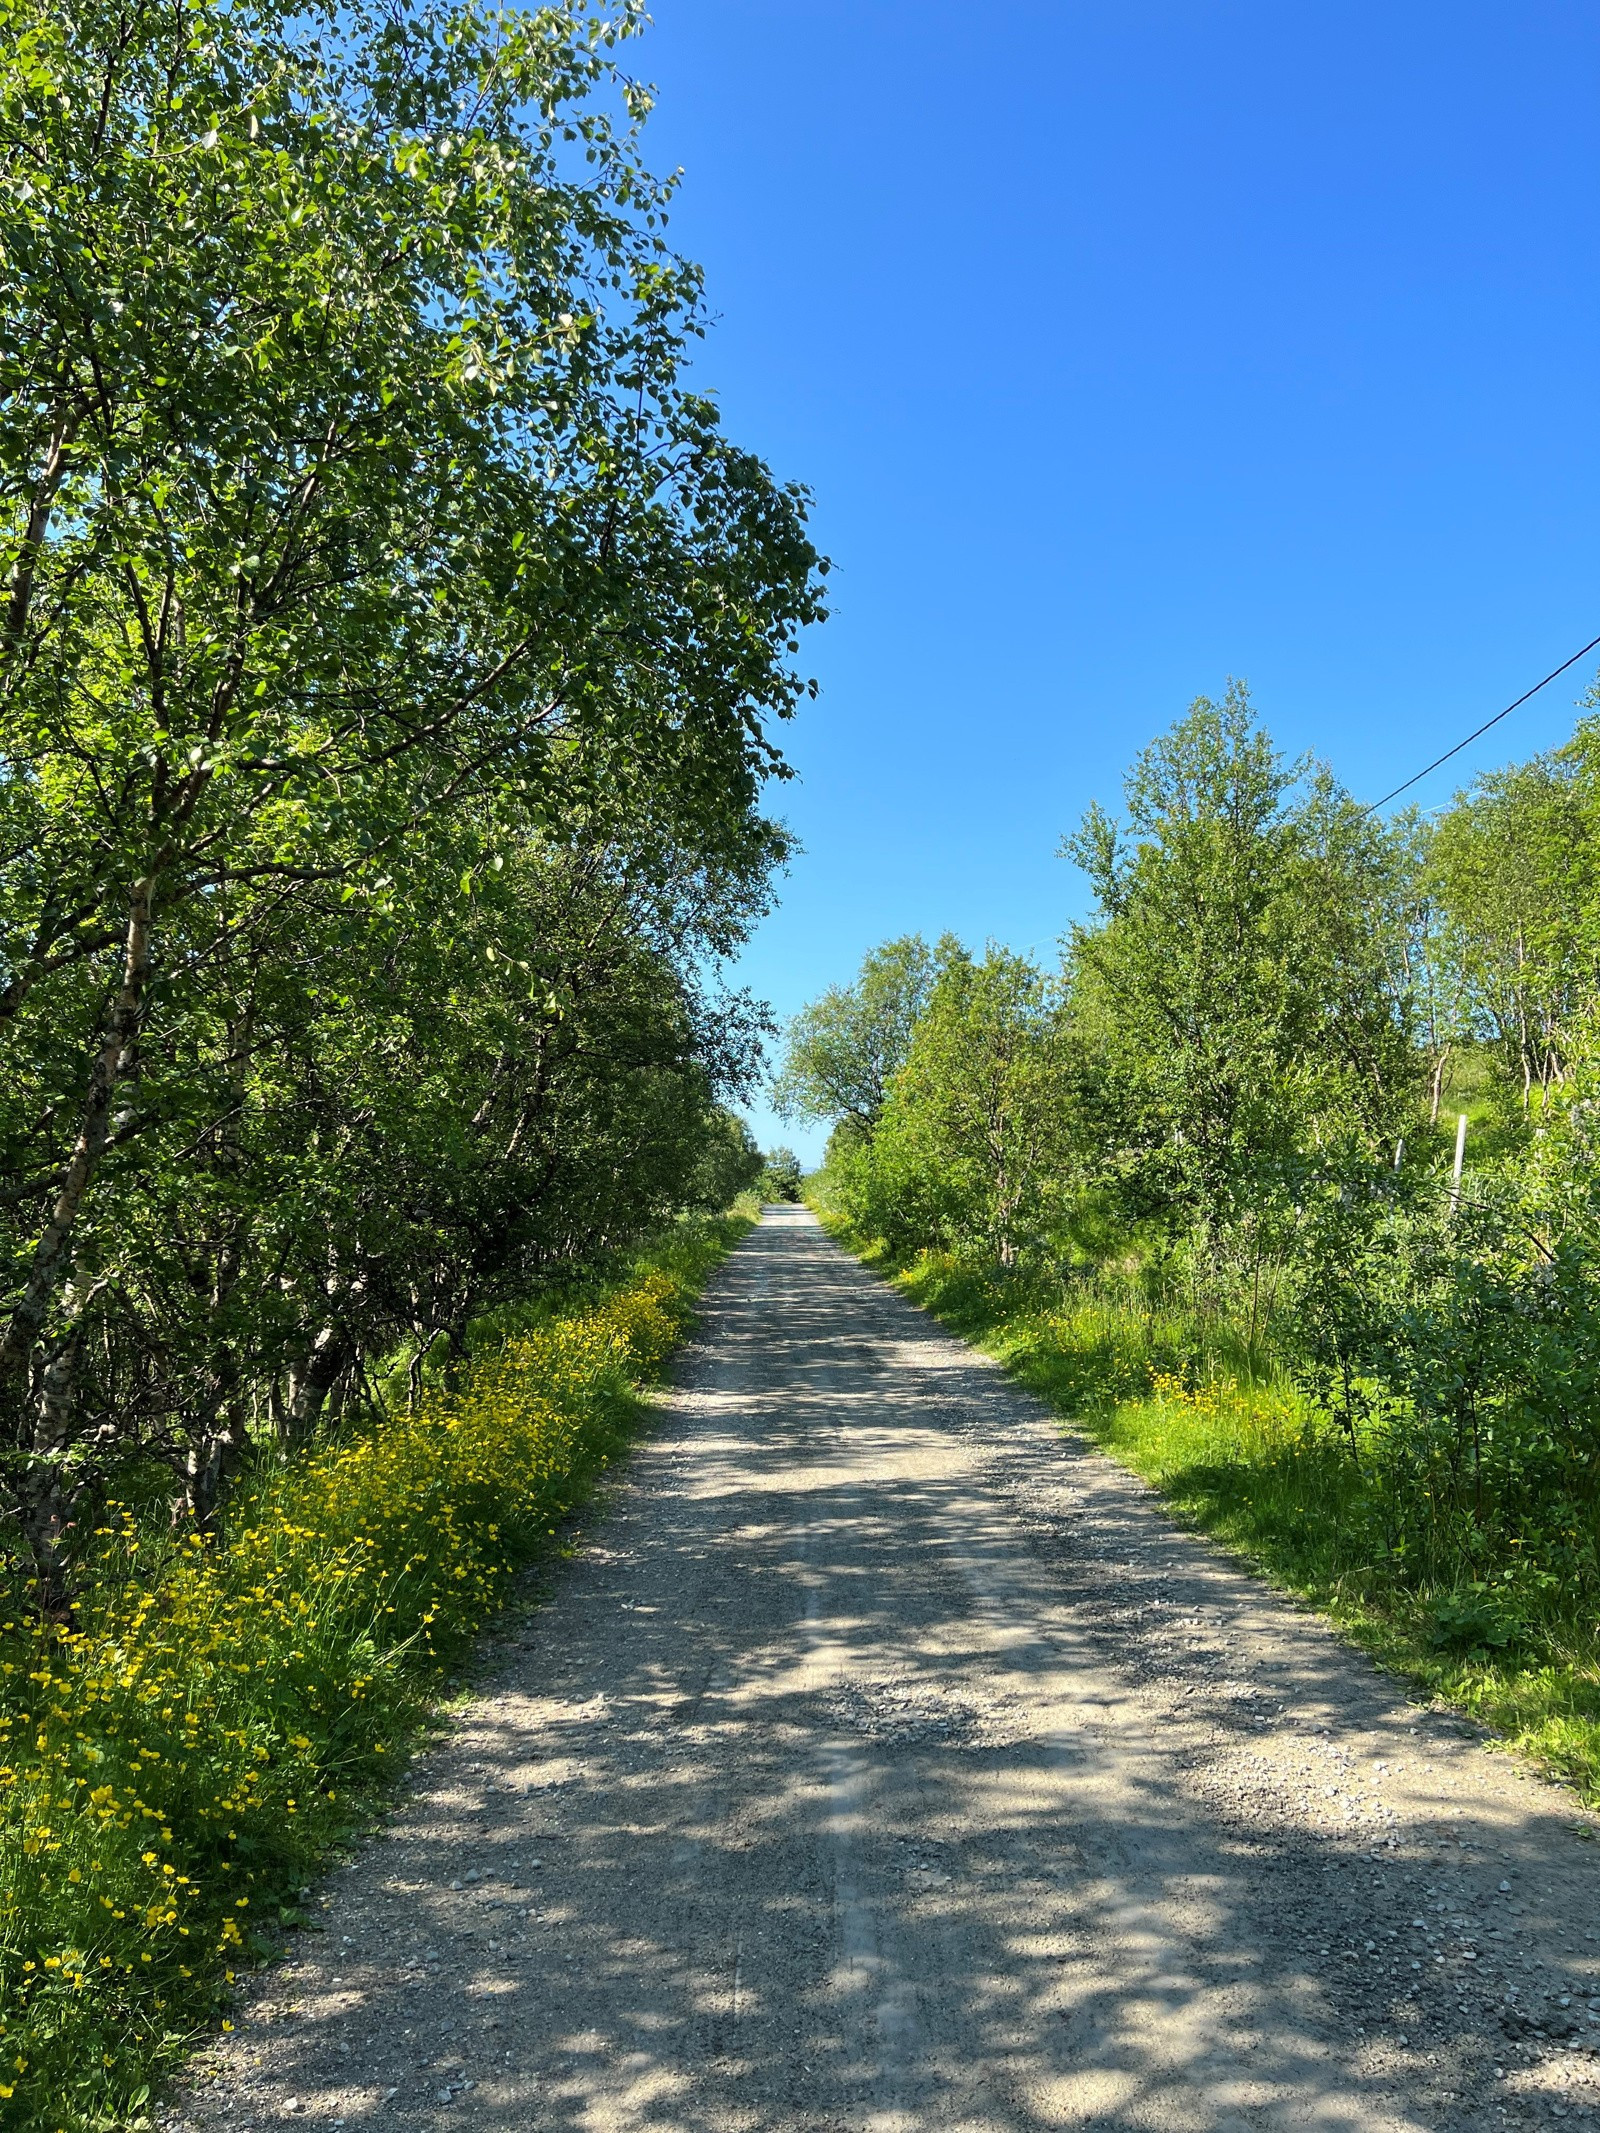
point(225, 1712)
point(1237, 1453)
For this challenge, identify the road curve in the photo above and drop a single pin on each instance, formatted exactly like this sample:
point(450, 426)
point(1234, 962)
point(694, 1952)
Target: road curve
point(885, 1760)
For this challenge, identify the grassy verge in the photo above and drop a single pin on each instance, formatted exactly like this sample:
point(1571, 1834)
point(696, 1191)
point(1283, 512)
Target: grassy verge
point(1242, 1458)
point(227, 1710)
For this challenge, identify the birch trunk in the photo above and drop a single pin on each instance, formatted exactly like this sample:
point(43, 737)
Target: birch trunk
point(330, 1351)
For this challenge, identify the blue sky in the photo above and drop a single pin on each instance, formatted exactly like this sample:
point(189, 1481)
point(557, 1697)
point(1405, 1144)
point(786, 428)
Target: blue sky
point(1127, 347)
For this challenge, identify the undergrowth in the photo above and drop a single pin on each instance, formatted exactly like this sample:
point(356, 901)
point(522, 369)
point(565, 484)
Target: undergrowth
point(225, 1710)
point(1238, 1452)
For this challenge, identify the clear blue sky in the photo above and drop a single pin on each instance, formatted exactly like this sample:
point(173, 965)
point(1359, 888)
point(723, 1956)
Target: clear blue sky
point(1126, 347)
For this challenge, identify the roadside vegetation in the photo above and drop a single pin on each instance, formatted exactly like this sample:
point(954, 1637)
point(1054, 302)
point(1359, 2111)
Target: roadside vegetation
point(228, 1706)
point(1196, 1185)
point(389, 651)
point(392, 649)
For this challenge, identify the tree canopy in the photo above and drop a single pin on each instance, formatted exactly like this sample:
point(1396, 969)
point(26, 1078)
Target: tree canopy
point(843, 1050)
point(391, 649)
point(1234, 982)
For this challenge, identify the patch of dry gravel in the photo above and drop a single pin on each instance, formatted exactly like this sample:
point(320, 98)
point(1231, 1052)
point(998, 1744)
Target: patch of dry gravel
point(887, 1762)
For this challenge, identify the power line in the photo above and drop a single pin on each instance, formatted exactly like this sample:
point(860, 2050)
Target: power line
point(1488, 722)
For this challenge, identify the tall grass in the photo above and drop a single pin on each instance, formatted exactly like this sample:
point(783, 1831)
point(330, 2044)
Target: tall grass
point(224, 1709)
point(1220, 1429)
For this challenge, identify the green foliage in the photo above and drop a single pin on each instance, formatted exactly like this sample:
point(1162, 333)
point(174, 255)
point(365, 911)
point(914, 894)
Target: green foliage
point(843, 1051)
point(780, 1177)
point(1248, 1458)
point(389, 653)
point(1235, 990)
point(228, 1709)
point(1457, 1354)
point(1197, 1191)
point(728, 1168)
point(1513, 870)
point(973, 1141)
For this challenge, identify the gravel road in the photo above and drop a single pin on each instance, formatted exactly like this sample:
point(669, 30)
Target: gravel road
point(884, 1760)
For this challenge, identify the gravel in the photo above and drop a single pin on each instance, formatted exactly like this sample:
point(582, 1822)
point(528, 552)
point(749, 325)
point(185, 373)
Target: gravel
point(885, 1760)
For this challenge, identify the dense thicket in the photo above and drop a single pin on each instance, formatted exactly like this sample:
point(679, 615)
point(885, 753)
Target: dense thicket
point(1236, 1099)
point(389, 644)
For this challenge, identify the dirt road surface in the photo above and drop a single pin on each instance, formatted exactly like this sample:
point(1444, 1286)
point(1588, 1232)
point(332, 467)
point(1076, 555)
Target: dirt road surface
point(885, 1761)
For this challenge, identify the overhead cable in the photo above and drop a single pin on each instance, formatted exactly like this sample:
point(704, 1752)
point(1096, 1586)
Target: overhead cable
point(1429, 768)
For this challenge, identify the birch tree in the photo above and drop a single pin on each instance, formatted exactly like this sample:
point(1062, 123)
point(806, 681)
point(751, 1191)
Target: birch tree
point(354, 510)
